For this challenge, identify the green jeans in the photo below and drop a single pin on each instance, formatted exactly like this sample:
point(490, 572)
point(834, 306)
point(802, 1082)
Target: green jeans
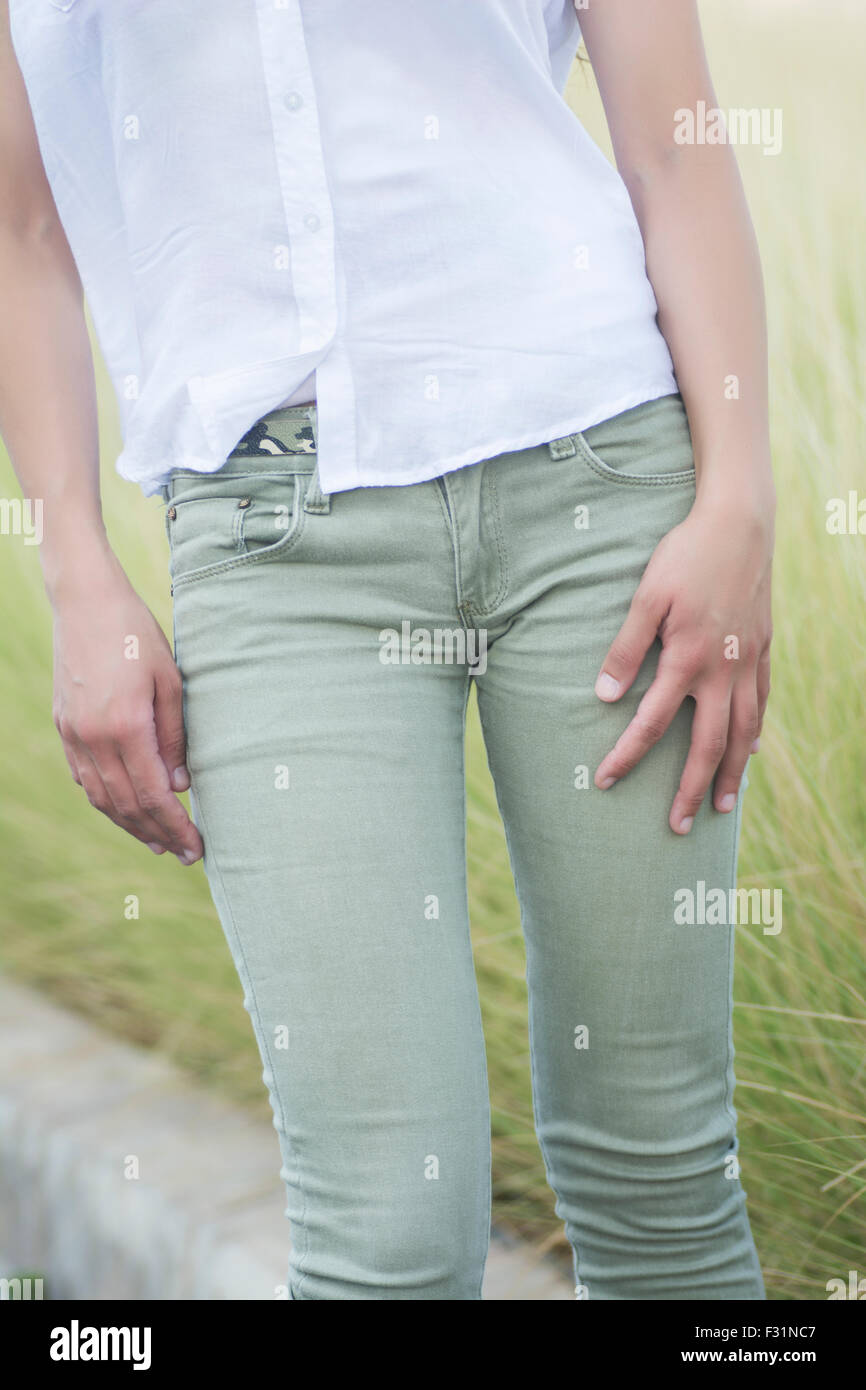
point(327, 646)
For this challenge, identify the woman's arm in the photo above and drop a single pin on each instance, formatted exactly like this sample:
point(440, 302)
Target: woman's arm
point(709, 580)
point(120, 720)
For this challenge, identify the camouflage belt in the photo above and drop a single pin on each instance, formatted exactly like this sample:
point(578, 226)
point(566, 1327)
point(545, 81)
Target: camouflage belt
point(289, 430)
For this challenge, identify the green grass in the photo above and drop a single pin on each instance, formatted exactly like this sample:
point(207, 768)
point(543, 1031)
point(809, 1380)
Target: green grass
point(166, 980)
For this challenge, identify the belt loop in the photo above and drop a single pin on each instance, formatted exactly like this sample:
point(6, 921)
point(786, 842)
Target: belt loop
point(564, 448)
point(316, 500)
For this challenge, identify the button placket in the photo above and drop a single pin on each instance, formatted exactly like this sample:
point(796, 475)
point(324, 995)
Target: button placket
point(300, 165)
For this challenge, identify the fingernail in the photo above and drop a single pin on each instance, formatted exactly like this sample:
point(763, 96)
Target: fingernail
point(608, 782)
point(728, 802)
point(180, 779)
point(686, 824)
point(188, 856)
point(157, 849)
point(606, 688)
point(756, 745)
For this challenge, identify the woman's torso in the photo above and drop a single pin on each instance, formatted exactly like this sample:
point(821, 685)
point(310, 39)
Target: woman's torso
point(388, 203)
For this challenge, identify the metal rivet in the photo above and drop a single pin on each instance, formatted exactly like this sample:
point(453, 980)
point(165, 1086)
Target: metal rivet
point(245, 502)
point(172, 513)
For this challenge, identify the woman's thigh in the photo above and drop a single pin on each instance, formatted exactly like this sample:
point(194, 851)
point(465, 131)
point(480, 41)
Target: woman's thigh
point(629, 1000)
point(327, 782)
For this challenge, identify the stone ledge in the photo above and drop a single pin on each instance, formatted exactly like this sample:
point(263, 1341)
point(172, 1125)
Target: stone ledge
point(202, 1220)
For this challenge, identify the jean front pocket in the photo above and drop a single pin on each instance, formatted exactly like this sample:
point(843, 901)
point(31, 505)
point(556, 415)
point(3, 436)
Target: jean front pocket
point(216, 523)
point(647, 446)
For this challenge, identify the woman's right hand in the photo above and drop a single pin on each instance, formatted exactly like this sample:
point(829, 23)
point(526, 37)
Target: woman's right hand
point(118, 709)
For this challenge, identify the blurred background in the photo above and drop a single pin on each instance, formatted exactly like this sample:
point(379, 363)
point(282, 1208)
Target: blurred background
point(166, 980)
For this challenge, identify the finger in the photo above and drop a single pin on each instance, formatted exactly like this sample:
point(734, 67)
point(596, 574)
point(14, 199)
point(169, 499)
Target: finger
point(110, 791)
point(763, 683)
point(149, 776)
point(168, 720)
point(742, 732)
point(707, 748)
point(92, 783)
point(71, 759)
point(67, 741)
point(627, 651)
point(650, 721)
point(129, 815)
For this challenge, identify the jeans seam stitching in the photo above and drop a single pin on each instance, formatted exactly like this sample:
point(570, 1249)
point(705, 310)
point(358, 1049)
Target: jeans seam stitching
point(279, 548)
point(730, 1079)
point(500, 550)
point(451, 525)
point(603, 470)
point(533, 1072)
point(487, 1205)
point(255, 1003)
point(732, 879)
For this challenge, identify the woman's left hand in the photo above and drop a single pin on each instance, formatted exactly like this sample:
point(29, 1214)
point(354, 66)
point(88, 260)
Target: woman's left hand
point(706, 595)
